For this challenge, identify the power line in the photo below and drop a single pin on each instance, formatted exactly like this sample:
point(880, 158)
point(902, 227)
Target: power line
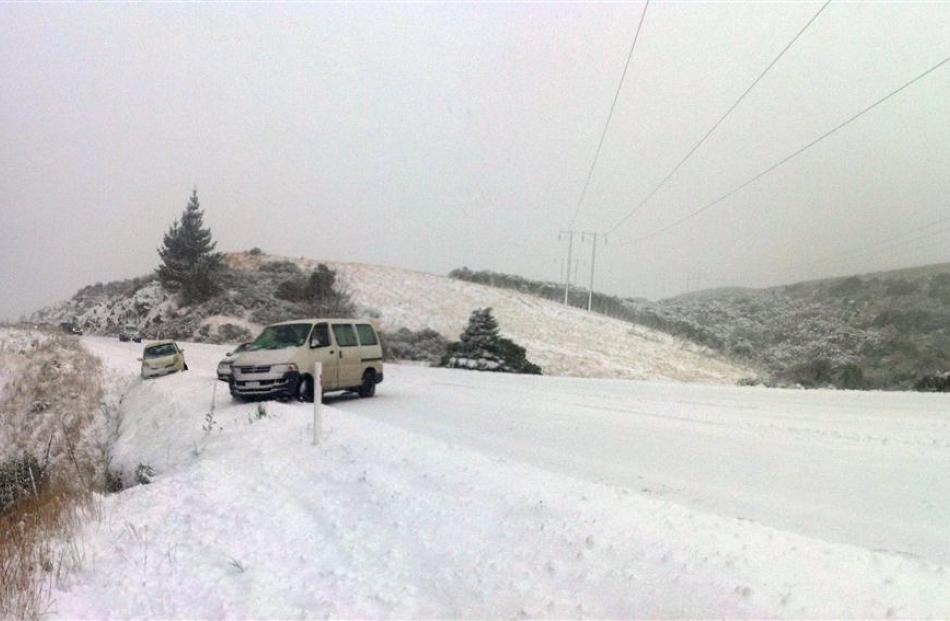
point(722, 118)
point(886, 245)
point(790, 157)
point(860, 253)
point(603, 134)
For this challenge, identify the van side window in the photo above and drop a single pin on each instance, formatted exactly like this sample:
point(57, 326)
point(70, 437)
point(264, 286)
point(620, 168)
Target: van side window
point(345, 337)
point(320, 336)
point(367, 334)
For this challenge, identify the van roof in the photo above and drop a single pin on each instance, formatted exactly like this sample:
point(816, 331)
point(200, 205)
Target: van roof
point(318, 319)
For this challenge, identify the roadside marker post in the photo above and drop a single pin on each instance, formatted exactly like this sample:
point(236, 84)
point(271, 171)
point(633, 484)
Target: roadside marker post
point(317, 399)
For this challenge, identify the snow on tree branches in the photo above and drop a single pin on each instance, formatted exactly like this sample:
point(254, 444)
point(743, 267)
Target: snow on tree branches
point(482, 348)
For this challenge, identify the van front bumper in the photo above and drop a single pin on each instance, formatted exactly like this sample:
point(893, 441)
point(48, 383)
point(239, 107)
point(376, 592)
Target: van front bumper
point(251, 386)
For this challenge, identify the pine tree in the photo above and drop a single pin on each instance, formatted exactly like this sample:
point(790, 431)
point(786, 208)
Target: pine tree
point(481, 336)
point(189, 263)
point(481, 347)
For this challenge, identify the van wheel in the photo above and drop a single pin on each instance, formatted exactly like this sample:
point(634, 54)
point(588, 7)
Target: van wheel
point(184, 367)
point(305, 389)
point(368, 387)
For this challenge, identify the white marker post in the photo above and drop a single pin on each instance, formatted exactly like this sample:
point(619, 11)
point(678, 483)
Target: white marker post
point(317, 399)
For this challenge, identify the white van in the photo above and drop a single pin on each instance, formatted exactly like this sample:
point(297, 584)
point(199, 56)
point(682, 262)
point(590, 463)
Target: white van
point(281, 359)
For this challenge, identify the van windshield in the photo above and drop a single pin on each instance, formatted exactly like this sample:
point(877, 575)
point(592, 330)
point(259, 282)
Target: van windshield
point(285, 335)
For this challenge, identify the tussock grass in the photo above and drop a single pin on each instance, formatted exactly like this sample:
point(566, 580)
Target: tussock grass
point(39, 545)
point(52, 417)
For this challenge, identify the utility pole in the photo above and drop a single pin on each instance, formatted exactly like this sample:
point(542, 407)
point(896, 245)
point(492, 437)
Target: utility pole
point(593, 258)
point(570, 250)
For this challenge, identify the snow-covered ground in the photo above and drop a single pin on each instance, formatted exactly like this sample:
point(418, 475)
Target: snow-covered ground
point(463, 494)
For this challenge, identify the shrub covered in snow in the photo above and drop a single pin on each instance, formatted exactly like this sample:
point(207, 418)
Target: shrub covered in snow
point(934, 383)
point(405, 344)
point(482, 348)
point(319, 293)
point(52, 412)
point(248, 298)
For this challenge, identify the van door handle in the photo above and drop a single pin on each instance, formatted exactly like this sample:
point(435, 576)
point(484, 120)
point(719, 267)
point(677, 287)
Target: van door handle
point(341, 353)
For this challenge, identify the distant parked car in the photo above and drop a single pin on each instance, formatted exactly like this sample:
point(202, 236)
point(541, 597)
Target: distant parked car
point(162, 358)
point(130, 333)
point(70, 328)
point(224, 367)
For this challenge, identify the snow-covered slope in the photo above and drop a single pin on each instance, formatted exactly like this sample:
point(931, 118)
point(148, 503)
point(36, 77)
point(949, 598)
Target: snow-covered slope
point(562, 340)
point(451, 512)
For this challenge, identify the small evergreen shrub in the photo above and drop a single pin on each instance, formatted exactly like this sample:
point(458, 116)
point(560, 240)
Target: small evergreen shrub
point(319, 293)
point(480, 347)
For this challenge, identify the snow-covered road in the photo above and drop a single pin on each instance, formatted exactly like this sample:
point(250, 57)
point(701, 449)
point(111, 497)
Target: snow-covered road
point(869, 469)
point(457, 494)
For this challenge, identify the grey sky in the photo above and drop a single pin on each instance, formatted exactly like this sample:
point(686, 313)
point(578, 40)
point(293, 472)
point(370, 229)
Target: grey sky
point(434, 136)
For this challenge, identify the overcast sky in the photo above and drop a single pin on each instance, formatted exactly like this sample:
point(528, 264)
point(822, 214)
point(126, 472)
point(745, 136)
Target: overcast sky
point(431, 136)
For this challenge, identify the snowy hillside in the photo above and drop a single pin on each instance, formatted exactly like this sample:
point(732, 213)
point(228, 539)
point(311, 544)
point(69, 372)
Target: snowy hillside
point(461, 494)
point(888, 330)
point(562, 340)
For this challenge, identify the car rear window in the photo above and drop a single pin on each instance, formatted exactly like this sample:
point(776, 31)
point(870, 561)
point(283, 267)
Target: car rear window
point(367, 334)
point(345, 337)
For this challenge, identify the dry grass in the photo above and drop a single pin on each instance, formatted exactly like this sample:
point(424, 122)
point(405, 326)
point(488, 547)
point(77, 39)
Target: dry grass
point(51, 410)
point(38, 544)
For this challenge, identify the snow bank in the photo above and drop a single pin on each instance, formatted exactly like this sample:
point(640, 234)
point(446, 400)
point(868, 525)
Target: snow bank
point(251, 521)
